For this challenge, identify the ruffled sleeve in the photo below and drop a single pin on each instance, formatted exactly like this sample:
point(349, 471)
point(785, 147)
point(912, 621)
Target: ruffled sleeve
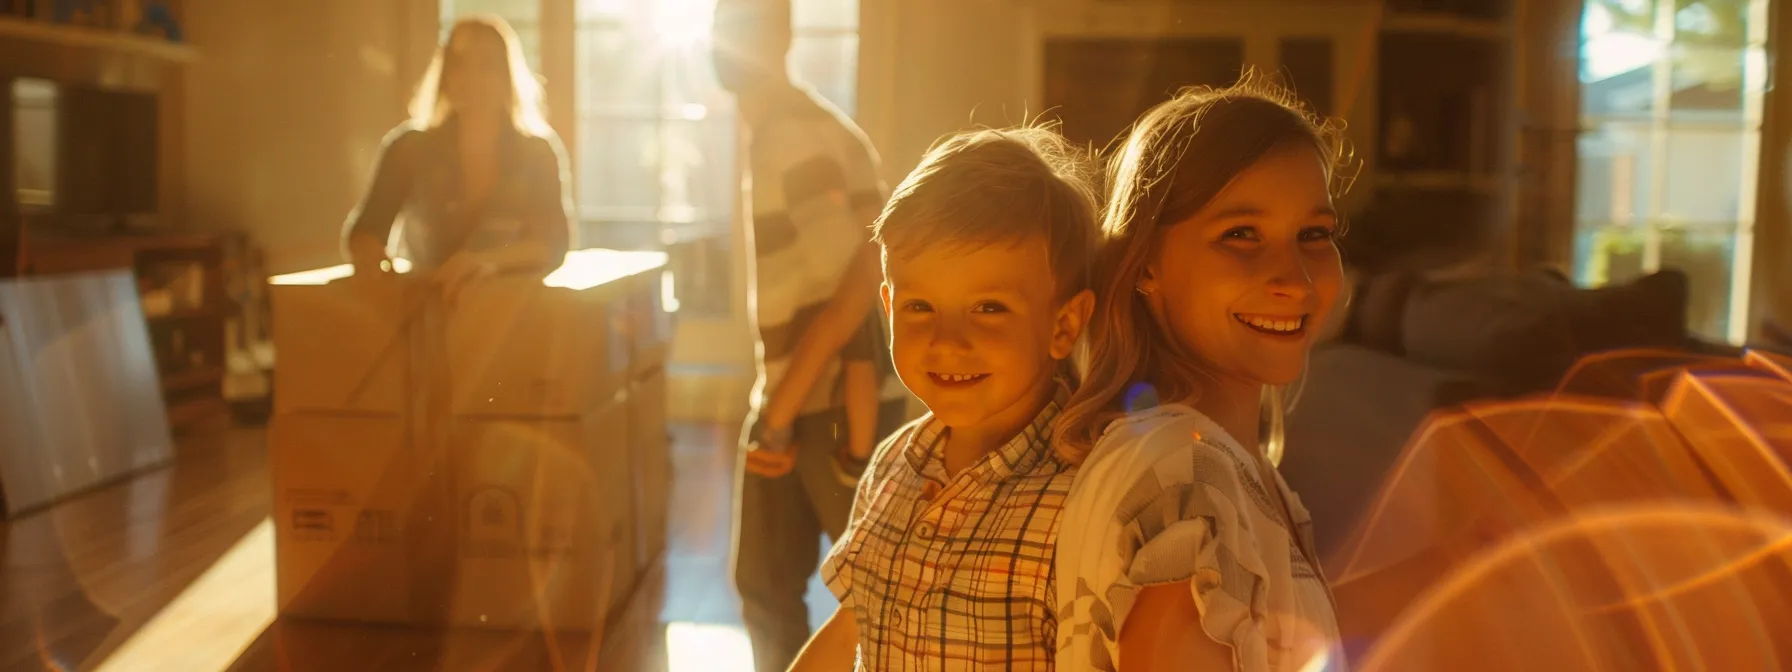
point(1181, 521)
point(1170, 507)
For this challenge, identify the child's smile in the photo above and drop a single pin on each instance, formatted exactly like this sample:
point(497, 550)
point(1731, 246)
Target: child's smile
point(956, 380)
point(971, 329)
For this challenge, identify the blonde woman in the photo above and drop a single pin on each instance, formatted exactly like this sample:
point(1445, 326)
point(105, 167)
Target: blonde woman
point(476, 172)
point(1181, 548)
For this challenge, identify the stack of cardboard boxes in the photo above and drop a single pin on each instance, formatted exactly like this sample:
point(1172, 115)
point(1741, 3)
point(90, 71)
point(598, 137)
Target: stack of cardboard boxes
point(501, 461)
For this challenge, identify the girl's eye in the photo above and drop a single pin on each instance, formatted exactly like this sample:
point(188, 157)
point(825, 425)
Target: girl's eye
point(1319, 234)
point(1240, 233)
point(989, 307)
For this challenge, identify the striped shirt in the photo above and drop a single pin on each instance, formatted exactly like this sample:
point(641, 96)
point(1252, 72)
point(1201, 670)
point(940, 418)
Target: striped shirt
point(812, 173)
point(954, 572)
point(1167, 497)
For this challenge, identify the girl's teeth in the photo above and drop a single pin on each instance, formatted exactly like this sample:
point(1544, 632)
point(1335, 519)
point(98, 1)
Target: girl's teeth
point(1274, 325)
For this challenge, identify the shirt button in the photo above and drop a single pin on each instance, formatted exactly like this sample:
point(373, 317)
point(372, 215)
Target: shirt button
point(924, 531)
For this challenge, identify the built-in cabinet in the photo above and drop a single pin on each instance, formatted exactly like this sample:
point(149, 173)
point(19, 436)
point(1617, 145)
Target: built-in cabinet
point(1096, 66)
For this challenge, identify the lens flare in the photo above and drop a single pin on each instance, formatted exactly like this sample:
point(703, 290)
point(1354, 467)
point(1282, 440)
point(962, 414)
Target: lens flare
point(1611, 524)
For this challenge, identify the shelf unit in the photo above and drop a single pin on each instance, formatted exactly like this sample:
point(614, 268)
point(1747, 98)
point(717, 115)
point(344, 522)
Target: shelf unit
point(47, 34)
point(188, 336)
point(1446, 153)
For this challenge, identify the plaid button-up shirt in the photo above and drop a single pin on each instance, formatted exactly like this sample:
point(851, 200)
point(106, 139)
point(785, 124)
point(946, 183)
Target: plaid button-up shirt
point(955, 572)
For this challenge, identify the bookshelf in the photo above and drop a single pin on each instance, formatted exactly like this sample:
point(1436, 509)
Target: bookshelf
point(45, 34)
point(181, 282)
point(1445, 157)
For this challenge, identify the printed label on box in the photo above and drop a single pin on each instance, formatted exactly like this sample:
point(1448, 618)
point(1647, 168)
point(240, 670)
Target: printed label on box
point(376, 526)
point(313, 525)
point(493, 524)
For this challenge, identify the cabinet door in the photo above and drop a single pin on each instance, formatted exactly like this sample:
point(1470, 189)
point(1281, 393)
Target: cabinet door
point(1097, 86)
point(1307, 65)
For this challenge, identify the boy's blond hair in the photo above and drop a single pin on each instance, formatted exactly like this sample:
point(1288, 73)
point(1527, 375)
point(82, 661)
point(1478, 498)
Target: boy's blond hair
point(994, 186)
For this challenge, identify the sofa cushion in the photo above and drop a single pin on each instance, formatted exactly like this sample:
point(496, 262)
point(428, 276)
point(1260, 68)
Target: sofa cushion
point(1494, 328)
point(1378, 309)
point(1649, 312)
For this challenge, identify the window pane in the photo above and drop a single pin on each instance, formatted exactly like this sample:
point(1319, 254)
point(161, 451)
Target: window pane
point(688, 79)
point(1707, 83)
point(1711, 22)
point(829, 63)
point(524, 16)
point(617, 166)
point(34, 142)
point(1667, 165)
point(1616, 255)
point(697, 184)
point(824, 14)
point(1705, 177)
point(617, 68)
point(1706, 257)
point(591, 9)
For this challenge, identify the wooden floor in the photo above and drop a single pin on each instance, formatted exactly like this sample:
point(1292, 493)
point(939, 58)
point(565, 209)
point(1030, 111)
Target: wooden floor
point(173, 570)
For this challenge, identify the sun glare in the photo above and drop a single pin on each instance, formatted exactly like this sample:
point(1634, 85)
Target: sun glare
point(707, 647)
point(681, 23)
point(228, 606)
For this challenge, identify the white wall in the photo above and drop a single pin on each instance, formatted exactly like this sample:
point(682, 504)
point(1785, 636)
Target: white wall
point(930, 67)
point(284, 112)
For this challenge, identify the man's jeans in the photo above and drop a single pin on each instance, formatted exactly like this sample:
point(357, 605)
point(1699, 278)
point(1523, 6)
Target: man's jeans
point(777, 523)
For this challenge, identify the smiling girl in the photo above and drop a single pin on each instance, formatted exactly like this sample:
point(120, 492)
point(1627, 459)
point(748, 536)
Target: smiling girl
point(1181, 547)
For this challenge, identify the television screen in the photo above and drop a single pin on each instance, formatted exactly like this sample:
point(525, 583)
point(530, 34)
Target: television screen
point(106, 158)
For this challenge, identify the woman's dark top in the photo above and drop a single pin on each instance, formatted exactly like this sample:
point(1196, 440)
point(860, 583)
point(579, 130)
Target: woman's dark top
point(419, 176)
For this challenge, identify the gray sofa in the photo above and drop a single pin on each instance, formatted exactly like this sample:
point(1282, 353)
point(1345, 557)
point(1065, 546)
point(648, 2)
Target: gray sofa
point(1412, 345)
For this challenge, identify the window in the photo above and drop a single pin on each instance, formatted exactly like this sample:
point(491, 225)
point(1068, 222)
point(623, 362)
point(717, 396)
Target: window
point(656, 133)
point(1671, 105)
point(524, 16)
point(655, 139)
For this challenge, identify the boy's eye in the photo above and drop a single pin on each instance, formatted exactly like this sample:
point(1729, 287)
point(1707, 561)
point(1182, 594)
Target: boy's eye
point(1318, 234)
point(989, 307)
point(917, 307)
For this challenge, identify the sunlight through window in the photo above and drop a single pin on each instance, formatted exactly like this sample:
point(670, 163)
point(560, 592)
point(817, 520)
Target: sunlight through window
point(680, 23)
point(707, 647)
point(229, 606)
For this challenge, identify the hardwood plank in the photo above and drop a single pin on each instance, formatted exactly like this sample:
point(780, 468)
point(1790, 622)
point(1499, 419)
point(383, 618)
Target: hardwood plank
point(174, 568)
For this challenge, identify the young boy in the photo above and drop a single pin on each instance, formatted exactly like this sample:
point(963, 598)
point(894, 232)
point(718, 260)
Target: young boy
point(948, 560)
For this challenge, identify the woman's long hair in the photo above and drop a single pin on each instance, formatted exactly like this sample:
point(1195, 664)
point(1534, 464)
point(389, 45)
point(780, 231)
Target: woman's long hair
point(431, 107)
point(1176, 159)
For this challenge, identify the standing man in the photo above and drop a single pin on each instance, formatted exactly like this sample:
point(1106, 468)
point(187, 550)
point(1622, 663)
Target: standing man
point(813, 281)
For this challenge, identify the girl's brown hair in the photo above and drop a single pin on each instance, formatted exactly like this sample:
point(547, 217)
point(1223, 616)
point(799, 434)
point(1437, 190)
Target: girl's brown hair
point(431, 107)
point(1177, 158)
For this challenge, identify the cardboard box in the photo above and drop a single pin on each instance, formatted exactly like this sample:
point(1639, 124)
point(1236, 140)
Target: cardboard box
point(509, 346)
point(646, 323)
point(515, 348)
point(353, 510)
point(544, 521)
point(651, 463)
point(513, 523)
point(469, 464)
point(344, 346)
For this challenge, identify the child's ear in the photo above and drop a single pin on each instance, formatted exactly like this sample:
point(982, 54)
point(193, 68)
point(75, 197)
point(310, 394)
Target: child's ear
point(883, 295)
point(1073, 316)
